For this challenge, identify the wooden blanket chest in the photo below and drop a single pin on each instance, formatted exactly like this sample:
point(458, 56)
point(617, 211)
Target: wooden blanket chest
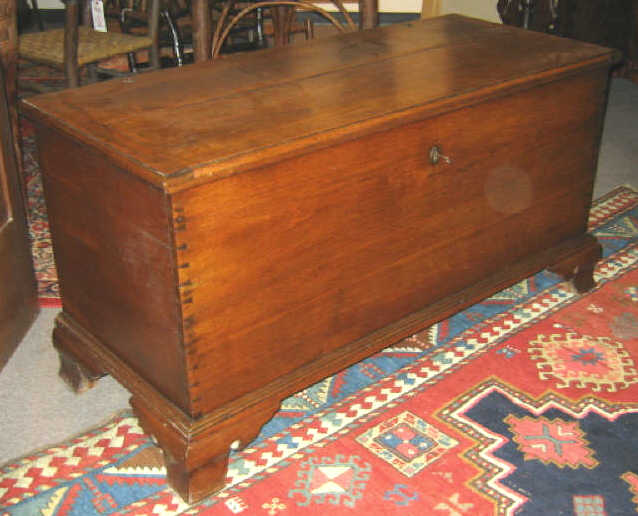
point(229, 233)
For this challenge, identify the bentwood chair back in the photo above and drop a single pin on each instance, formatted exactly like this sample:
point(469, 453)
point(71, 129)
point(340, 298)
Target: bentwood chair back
point(283, 15)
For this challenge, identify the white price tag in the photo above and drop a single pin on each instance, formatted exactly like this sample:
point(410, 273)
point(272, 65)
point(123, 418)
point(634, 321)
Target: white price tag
point(99, 21)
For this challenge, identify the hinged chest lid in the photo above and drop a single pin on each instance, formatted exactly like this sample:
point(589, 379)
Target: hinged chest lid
point(213, 119)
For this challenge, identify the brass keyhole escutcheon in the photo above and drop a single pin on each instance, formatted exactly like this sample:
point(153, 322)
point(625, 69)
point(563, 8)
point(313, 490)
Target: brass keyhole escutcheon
point(437, 156)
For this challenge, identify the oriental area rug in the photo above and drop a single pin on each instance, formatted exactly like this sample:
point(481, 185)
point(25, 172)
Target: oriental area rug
point(526, 404)
point(43, 260)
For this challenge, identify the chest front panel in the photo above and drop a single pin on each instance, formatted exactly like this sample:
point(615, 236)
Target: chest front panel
point(284, 263)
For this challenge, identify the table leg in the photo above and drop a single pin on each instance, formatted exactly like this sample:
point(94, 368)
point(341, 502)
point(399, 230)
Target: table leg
point(282, 18)
point(202, 35)
point(368, 14)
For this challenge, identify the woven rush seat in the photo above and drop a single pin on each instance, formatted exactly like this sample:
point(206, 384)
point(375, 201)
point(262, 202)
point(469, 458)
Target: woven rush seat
point(48, 46)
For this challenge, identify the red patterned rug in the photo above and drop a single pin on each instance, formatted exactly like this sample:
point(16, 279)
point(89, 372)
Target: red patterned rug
point(526, 404)
point(43, 260)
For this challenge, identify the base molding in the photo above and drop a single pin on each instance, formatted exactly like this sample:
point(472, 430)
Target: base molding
point(197, 448)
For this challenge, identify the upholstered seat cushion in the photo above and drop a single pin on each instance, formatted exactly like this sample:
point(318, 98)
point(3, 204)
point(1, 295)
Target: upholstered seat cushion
point(48, 46)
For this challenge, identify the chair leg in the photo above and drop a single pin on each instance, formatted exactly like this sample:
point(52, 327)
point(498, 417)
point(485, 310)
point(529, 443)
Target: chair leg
point(92, 72)
point(177, 42)
point(132, 63)
point(260, 27)
point(71, 68)
point(38, 15)
point(309, 29)
point(72, 80)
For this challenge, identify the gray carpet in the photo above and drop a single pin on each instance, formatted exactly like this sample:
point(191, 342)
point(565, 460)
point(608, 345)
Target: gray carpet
point(38, 409)
point(618, 160)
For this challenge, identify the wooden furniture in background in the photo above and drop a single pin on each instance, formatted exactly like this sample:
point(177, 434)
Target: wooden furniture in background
point(202, 42)
point(283, 13)
point(18, 297)
point(611, 24)
point(26, 13)
point(286, 26)
point(295, 210)
point(75, 45)
point(137, 17)
point(368, 14)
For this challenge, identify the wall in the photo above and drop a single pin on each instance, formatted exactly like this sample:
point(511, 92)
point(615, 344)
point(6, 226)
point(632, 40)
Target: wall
point(485, 9)
point(50, 4)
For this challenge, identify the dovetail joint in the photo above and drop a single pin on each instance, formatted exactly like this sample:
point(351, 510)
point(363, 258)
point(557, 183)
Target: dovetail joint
point(190, 341)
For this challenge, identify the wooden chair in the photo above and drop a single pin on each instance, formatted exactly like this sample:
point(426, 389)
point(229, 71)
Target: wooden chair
point(248, 33)
point(292, 25)
point(253, 31)
point(133, 17)
point(283, 14)
point(75, 46)
point(26, 14)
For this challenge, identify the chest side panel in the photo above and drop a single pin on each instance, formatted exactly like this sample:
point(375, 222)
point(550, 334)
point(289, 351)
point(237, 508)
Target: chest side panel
point(113, 252)
point(288, 262)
